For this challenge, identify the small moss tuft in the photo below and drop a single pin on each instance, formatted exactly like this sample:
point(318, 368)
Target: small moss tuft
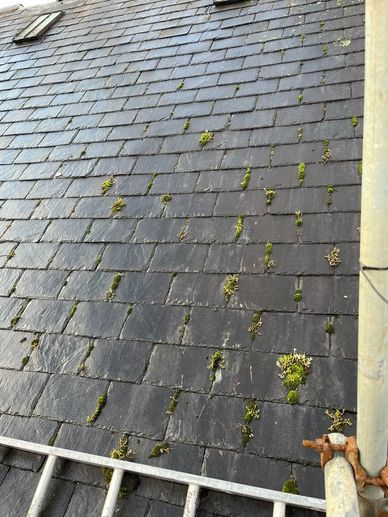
point(330, 329)
point(321, 26)
point(98, 259)
point(359, 168)
point(299, 220)
point(101, 401)
point(180, 86)
point(206, 137)
point(108, 184)
point(230, 286)
point(73, 309)
point(186, 125)
point(326, 155)
point(16, 318)
point(300, 98)
point(165, 198)
point(294, 370)
point(256, 323)
point(11, 254)
point(330, 191)
point(151, 182)
point(301, 172)
point(293, 397)
point(268, 262)
point(237, 87)
point(354, 122)
point(112, 289)
point(333, 257)
point(302, 37)
point(118, 205)
point(217, 361)
point(121, 453)
point(247, 176)
point(325, 49)
point(252, 412)
point(300, 134)
point(173, 402)
point(159, 449)
point(269, 195)
point(239, 228)
point(338, 422)
point(298, 295)
point(290, 486)
point(25, 360)
point(35, 343)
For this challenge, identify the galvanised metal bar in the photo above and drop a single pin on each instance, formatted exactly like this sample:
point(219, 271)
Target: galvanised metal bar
point(41, 489)
point(113, 493)
point(279, 509)
point(175, 476)
point(192, 500)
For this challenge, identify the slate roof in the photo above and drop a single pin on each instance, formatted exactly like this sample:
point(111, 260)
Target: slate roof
point(100, 97)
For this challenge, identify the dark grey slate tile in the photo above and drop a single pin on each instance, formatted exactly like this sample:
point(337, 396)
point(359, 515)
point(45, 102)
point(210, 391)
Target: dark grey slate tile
point(44, 316)
point(25, 231)
point(127, 257)
point(66, 230)
point(40, 284)
point(97, 319)
point(77, 256)
point(112, 230)
point(13, 347)
point(143, 287)
point(33, 255)
point(20, 391)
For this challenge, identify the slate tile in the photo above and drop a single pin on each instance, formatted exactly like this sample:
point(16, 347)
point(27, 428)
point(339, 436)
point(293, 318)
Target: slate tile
point(58, 354)
point(179, 257)
point(157, 164)
point(331, 295)
point(49, 188)
point(20, 391)
point(191, 205)
point(87, 286)
point(77, 168)
point(265, 291)
point(201, 160)
point(158, 230)
point(76, 256)
point(17, 209)
point(136, 408)
point(344, 339)
point(36, 171)
point(13, 347)
point(183, 375)
point(40, 284)
point(32, 255)
point(44, 316)
point(112, 230)
point(105, 361)
point(197, 289)
point(127, 257)
point(61, 398)
point(54, 208)
point(143, 287)
point(15, 189)
point(8, 279)
point(25, 231)
point(66, 230)
point(210, 230)
point(86, 500)
point(97, 319)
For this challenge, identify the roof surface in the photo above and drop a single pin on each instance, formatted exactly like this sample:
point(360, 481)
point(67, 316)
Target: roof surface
point(124, 89)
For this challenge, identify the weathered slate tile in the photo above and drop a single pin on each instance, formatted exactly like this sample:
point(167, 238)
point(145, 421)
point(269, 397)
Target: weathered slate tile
point(143, 287)
point(127, 257)
point(61, 397)
point(197, 289)
point(40, 283)
point(9, 308)
point(87, 285)
point(8, 279)
point(25, 231)
point(32, 255)
point(17, 209)
point(66, 230)
point(20, 391)
point(97, 319)
point(44, 316)
point(179, 257)
point(86, 500)
point(111, 231)
point(54, 208)
point(13, 347)
point(76, 256)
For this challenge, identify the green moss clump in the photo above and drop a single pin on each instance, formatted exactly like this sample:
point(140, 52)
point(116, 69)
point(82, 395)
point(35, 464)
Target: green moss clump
point(268, 262)
point(300, 98)
point(118, 205)
point(121, 453)
point(333, 257)
point(73, 309)
point(35, 343)
point(299, 220)
point(115, 283)
point(247, 176)
point(359, 168)
point(269, 195)
point(298, 295)
point(108, 184)
point(330, 191)
point(252, 412)
point(239, 228)
point(301, 172)
point(11, 254)
point(52, 439)
point(159, 449)
point(130, 309)
point(292, 397)
point(271, 153)
point(180, 86)
point(230, 286)
point(321, 26)
point(256, 324)
point(186, 318)
point(173, 402)
point(25, 360)
point(217, 361)
point(325, 49)
point(300, 134)
point(338, 422)
point(16, 318)
point(101, 401)
point(98, 259)
point(290, 486)
point(186, 125)
point(151, 182)
point(294, 370)
point(326, 155)
point(90, 349)
point(330, 329)
point(165, 198)
point(354, 122)
point(302, 37)
point(206, 137)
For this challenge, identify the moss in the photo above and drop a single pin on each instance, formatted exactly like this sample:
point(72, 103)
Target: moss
point(237, 87)
point(151, 182)
point(14, 321)
point(247, 176)
point(333, 257)
point(301, 172)
point(325, 49)
point(321, 26)
point(165, 198)
point(271, 153)
point(354, 122)
point(338, 422)
point(173, 402)
point(205, 138)
point(35, 343)
point(217, 361)
point(230, 286)
point(300, 98)
point(239, 228)
point(326, 155)
point(118, 205)
point(359, 168)
point(183, 233)
point(252, 412)
point(90, 349)
point(302, 37)
point(330, 190)
point(180, 86)
point(122, 452)
point(300, 134)
point(268, 262)
point(299, 220)
point(186, 318)
point(52, 439)
point(11, 254)
point(101, 401)
point(115, 283)
point(298, 295)
point(290, 486)
point(269, 195)
point(108, 184)
point(130, 309)
point(294, 370)
point(73, 309)
point(159, 449)
point(25, 360)
point(186, 125)
point(330, 329)
point(98, 259)
point(256, 323)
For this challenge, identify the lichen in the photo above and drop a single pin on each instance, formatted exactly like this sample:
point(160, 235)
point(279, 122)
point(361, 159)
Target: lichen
point(239, 228)
point(252, 412)
point(247, 176)
point(268, 262)
point(301, 172)
point(217, 361)
point(159, 449)
point(101, 401)
point(298, 295)
point(230, 286)
point(294, 370)
point(333, 257)
point(269, 195)
point(206, 137)
point(173, 402)
point(115, 283)
point(290, 486)
point(338, 422)
point(106, 185)
point(326, 155)
point(354, 122)
point(118, 205)
point(255, 325)
point(165, 198)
